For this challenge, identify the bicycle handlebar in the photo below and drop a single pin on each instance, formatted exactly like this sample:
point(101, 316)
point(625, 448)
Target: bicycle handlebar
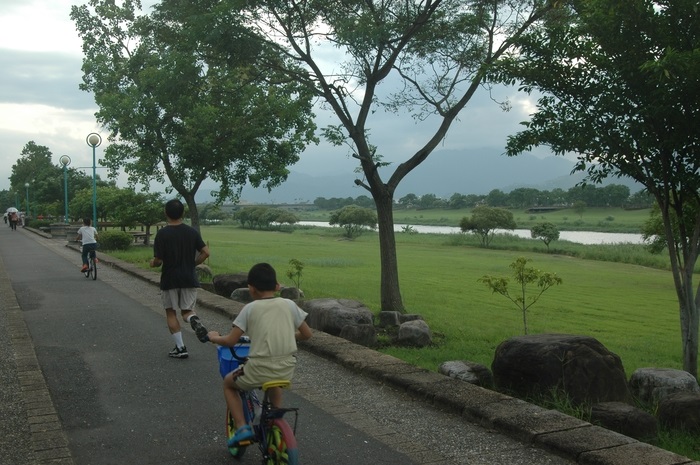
point(242, 340)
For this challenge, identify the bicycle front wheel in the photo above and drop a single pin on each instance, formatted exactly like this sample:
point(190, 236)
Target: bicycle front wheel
point(236, 452)
point(281, 444)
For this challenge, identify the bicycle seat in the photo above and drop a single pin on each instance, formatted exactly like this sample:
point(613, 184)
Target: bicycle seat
point(280, 383)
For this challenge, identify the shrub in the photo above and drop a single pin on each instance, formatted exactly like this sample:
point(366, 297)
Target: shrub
point(38, 224)
point(354, 220)
point(114, 240)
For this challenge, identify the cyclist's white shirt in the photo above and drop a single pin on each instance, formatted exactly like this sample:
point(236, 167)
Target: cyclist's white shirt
point(87, 234)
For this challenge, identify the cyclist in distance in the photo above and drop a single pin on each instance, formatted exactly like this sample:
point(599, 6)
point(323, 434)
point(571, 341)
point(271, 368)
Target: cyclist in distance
point(274, 324)
point(179, 248)
point(87, 235)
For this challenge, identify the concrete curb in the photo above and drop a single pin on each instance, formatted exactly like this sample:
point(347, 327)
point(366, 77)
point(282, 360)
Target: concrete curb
point(556, 432)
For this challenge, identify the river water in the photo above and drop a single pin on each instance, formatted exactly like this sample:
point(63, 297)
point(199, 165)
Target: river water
point(580, 237)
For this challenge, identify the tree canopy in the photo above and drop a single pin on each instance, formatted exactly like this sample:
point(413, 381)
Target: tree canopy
point(354, 219)
point(181, 110)
point(46, 182)
point(423, 60)
point(545, 231)
point(620, 85)
point(485, 220)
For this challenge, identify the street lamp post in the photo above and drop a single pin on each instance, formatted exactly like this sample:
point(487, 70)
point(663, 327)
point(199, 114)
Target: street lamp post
point(94, 140)
point(26, 214)
point(65, 161)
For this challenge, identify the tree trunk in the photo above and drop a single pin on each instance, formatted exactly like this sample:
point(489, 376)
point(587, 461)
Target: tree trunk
point(194, 213)
point(683, 255)
point(389, 292)
point(689, 313)
point(690, 321)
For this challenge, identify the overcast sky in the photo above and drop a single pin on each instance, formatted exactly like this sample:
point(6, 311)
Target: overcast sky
point(41, 57)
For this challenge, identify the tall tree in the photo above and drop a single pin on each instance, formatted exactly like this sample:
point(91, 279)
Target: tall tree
point(46, 183)
point(485, 220)
point(621, 88)
point(180, 110)
point(423, 59)
point(34, 167)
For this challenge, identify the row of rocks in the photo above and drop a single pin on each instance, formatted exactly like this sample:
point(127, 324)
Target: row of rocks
point(589, 374)
point(353, 321)
point(349, 319)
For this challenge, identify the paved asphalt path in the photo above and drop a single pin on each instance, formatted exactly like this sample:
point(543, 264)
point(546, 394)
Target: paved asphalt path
point(102, 346)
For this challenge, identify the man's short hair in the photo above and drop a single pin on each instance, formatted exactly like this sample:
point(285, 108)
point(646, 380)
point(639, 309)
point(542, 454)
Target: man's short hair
point(263, 277)
point(87, 221)
point(174, 209)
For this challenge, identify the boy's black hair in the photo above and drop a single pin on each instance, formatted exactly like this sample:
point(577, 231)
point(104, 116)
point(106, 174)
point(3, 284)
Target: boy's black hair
point(263, 277)
point(174, 209)
point(86, 221)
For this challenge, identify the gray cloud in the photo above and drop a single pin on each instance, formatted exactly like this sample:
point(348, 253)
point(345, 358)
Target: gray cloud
point(42, 78)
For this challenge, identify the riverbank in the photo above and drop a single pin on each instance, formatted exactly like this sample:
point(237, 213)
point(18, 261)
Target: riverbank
point(610, 220)
point(578, 237)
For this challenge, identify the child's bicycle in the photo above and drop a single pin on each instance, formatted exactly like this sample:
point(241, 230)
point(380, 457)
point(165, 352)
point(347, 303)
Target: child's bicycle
point(91, 271)
point(272, 433)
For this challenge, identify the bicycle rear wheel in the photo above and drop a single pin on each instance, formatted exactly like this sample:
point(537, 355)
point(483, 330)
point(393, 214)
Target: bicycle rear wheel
point(281, 444)
point(236, 452)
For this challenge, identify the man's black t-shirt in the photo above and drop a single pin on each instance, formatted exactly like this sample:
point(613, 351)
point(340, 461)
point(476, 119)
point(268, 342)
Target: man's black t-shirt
point(177, 246)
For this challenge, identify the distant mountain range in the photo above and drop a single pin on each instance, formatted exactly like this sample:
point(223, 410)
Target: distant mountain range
point(443, 173)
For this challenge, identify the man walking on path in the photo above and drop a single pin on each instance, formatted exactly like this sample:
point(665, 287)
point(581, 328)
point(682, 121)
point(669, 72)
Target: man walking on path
point(179, 248)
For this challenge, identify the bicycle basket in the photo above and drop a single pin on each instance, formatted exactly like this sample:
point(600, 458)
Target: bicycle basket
point(227, 362)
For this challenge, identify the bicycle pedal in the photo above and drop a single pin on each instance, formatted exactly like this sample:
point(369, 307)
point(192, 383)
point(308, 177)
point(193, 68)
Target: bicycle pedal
point(244, 443)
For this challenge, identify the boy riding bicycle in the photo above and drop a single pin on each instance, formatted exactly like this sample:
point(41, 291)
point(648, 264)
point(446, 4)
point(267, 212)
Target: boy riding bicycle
point(274, 324)
point(87, 235)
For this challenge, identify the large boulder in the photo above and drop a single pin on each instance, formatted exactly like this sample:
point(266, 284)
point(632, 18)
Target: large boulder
point(470, 372)
point(652, 385)
point(578, 365)
point(332, 315)
point(291, 293)
point(625, 419)
point(203, 272)
point(414, 333)
point(242, 295)
point(225, 284)
point(406, 317)
point(389, 319)
point(364, 335)
point(681, 410)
